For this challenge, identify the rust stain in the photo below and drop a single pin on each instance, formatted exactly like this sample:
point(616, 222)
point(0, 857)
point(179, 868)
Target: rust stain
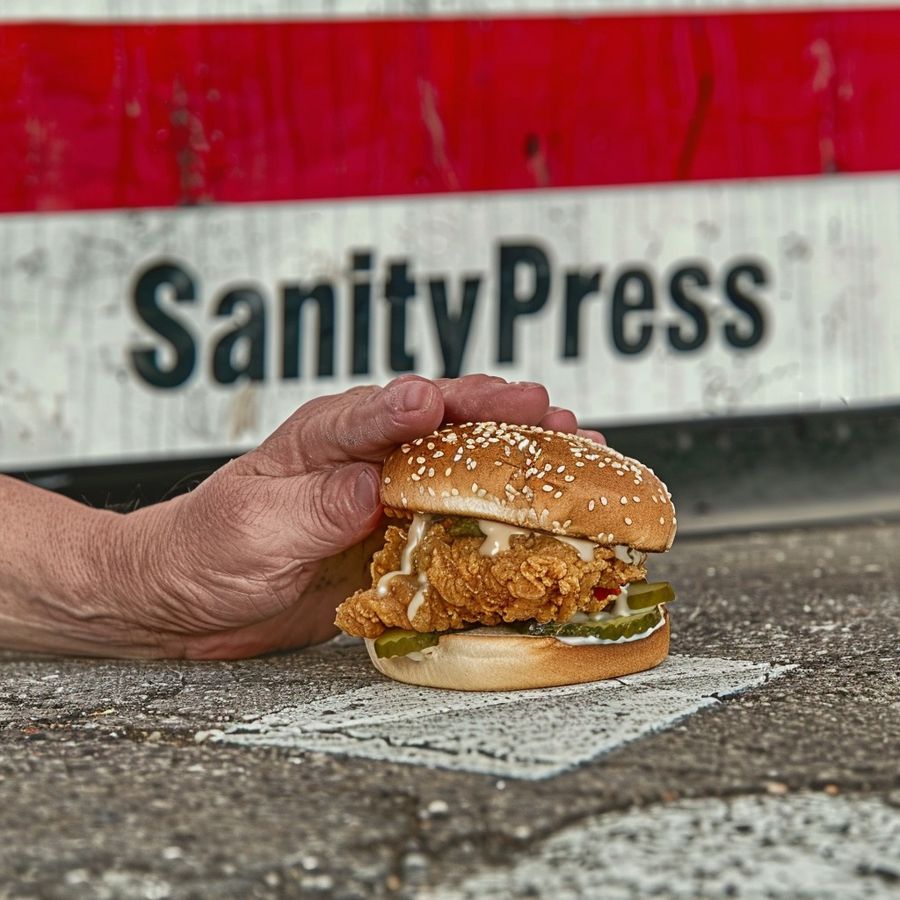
point(703, 59)
point(191, 148)
point(823, 83)
point(537, 162)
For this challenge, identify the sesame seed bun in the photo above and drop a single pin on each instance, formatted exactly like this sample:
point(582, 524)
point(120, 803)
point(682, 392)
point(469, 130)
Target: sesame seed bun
point(490, 660)
point(525, 476)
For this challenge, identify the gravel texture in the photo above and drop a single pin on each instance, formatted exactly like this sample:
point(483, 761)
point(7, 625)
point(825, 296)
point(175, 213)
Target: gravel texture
point(113, 784)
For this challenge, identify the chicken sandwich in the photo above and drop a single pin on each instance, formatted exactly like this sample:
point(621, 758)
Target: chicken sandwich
point(518, 561)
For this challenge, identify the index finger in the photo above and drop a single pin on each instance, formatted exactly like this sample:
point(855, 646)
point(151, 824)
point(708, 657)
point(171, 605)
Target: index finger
point(488, 398)
point(362, 424)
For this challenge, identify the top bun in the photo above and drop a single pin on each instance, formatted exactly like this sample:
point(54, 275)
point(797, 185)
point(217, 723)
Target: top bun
point(525, 476)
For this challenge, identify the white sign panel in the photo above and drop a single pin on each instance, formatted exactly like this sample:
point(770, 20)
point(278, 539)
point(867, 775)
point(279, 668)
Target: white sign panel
point(132, 335)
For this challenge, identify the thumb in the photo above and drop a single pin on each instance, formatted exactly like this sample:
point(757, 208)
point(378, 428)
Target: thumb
point(335, 509)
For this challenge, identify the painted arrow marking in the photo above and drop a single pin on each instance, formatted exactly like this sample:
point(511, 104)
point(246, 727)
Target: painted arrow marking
point(516, 734)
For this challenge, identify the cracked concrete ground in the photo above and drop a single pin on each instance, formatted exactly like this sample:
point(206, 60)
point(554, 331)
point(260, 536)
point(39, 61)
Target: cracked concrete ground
point(112, 783)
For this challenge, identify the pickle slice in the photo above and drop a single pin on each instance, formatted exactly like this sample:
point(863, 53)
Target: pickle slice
point(642, 595)
point(399, 642)
point(607, 630)
point(463, 526)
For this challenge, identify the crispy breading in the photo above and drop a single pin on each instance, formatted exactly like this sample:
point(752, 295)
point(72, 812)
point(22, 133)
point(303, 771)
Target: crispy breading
point(538, 578)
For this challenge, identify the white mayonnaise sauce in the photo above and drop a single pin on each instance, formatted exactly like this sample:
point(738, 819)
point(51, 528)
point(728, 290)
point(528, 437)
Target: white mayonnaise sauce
point(416, 530)
point(423, 654)
point(418, 598)
point(497, 536)
point(629, 555)
point(585, 549)
point(575, 641)
point(620, 607)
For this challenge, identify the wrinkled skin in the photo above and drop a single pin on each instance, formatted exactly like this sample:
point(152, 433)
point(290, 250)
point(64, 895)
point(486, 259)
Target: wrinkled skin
point(537, 578)
point(253, 560)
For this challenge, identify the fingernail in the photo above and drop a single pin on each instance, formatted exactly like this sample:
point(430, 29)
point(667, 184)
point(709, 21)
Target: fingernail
point(410, 395)
point(525, 384)
point(366, 490)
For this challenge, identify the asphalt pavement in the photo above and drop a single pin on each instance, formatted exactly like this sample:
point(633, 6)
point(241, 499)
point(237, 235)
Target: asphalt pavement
point(762, 760)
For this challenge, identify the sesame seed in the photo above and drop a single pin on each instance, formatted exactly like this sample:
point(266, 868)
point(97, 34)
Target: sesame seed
point(431, 472)
point(447, 471)
point(421, 470)
point(415, 477)
point(474, 487)
point(569, 478)
point(431, 491)
point(430, 445)
point(557, 495)
point(591, 505)
point(623, 500)
point(560, 469)
point(604, 501)
point(548, 487)
point(387, 479)
point(580, 464)
point(627, 520)
point(420, 459)
point(438, 454)
point(454, 492)
point(636, 499)
point(662, 520)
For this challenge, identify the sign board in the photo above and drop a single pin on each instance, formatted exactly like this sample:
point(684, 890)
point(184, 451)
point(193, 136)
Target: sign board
point(660, 211)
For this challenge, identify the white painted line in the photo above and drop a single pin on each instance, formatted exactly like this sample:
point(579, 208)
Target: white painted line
point(803, 846)
point(516, 734)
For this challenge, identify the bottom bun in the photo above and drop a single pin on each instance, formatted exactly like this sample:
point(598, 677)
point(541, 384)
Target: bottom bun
point(495, 660)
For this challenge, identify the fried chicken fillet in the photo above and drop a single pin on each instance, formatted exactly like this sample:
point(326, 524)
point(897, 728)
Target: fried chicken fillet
point(538, 577)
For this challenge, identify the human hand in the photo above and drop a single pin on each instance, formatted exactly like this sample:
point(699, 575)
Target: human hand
point(260, 554)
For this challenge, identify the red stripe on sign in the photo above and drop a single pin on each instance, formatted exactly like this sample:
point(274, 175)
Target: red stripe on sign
point(160, 115)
